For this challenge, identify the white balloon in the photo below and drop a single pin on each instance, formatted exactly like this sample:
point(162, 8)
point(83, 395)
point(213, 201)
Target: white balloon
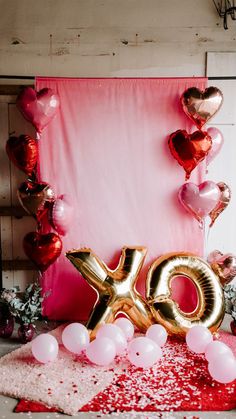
point(75, 337)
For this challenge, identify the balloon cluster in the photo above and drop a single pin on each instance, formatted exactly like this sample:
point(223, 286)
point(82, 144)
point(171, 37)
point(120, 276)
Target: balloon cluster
point(221, 360)
point(38, 198)
point(190, 149)
point(142, 351)
point(208, 198)
point(111, 340)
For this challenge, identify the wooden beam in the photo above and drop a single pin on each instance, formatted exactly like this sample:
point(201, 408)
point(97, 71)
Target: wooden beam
point(11, 89)
point(17, 212)
point(18, 265)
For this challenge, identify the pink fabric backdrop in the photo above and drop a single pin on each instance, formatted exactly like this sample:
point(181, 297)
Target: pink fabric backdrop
point(107, 148)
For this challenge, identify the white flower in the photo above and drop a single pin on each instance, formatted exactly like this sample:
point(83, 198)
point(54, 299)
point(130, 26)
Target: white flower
point(8, 295)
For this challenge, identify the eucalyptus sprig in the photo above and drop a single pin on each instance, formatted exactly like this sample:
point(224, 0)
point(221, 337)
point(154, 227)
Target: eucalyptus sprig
point(28, 308)
point(230, 299)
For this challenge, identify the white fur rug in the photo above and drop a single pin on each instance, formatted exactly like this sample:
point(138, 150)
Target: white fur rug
point(67, 383)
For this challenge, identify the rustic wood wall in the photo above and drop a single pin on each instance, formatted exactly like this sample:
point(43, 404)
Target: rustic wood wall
point(104, 38)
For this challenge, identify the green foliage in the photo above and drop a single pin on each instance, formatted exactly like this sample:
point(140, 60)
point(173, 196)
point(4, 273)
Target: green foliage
point(28, 308)
point(230, 299)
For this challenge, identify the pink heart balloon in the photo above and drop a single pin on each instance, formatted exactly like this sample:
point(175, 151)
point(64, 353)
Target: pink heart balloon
point(199, 200)
point(61, 214)
point(38, 107)
point(217, 142)
point(224, 265)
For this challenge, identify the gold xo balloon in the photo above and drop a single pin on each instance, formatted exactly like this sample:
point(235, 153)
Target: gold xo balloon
point(210, 308)
point(116, 289)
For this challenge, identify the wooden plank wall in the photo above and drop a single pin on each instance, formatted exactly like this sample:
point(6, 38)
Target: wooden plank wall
point(111, 38)
point(13, 228)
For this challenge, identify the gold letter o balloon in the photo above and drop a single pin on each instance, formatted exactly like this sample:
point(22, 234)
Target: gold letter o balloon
point(210, 308)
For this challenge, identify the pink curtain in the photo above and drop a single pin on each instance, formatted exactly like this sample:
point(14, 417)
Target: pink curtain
point(107, 148)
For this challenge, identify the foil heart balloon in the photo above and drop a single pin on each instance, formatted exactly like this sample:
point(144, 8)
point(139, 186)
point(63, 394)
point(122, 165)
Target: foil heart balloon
point(61, 214)
point(225, 197)
point(199, 200)
point(35, 197)
point(42, 249)
point(38, 107)
point(189, 149)
point(217, 142)
point(223, 265)
point(201, 106)
point(23, 152)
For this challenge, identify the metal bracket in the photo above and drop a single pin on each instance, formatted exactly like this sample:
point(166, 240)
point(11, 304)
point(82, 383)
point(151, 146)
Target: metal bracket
point(226, 8)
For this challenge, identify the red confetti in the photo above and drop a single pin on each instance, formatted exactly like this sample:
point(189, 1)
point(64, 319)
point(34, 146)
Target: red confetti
point(180, 382)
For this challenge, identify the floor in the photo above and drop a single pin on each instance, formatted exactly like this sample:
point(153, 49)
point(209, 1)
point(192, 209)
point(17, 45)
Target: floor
point(7, 404)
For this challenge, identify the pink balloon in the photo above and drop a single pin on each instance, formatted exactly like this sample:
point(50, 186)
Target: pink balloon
point(223, 369)
point(157, 333)
point(45, 348)
point(126, 326)
point(38, 107)
point(61, 214)
point(199, 200)
point(197, 338)
point(216, 348)
point(101, 351)
point(214, 256)
point(75, 337)
point(143, 352)
point(114, 333)
point(217, 142)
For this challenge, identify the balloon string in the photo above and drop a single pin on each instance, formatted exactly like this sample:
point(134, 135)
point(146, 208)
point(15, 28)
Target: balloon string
point(206, 236)
point(38, 135)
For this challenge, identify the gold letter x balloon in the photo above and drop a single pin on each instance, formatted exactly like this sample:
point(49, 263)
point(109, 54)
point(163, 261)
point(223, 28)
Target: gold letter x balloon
point(115, 288)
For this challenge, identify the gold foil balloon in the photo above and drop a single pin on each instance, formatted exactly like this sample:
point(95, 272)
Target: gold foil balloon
point(115, 288)
point(225, 197)
point(35, 197)
point(210, 308)
point(223, 265)
point(201, 106)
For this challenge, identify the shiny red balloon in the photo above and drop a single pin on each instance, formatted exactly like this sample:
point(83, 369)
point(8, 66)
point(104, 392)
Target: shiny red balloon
point(38, 107)
point(23, 152)
point(189, 149)
point(42, 249)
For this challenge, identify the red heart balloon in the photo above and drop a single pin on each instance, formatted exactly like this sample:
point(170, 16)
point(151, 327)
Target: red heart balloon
point(23, 152)
point(42, 249)
point(189, 149)
point(38, 107)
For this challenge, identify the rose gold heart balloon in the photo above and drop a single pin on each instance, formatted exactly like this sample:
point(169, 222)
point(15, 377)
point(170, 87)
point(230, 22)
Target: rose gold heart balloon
point(223, 265)
point(38, 107)
point(199, 200)
point(42, 249)
point(34, 197)
point(225, 197)
point(201, 106)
